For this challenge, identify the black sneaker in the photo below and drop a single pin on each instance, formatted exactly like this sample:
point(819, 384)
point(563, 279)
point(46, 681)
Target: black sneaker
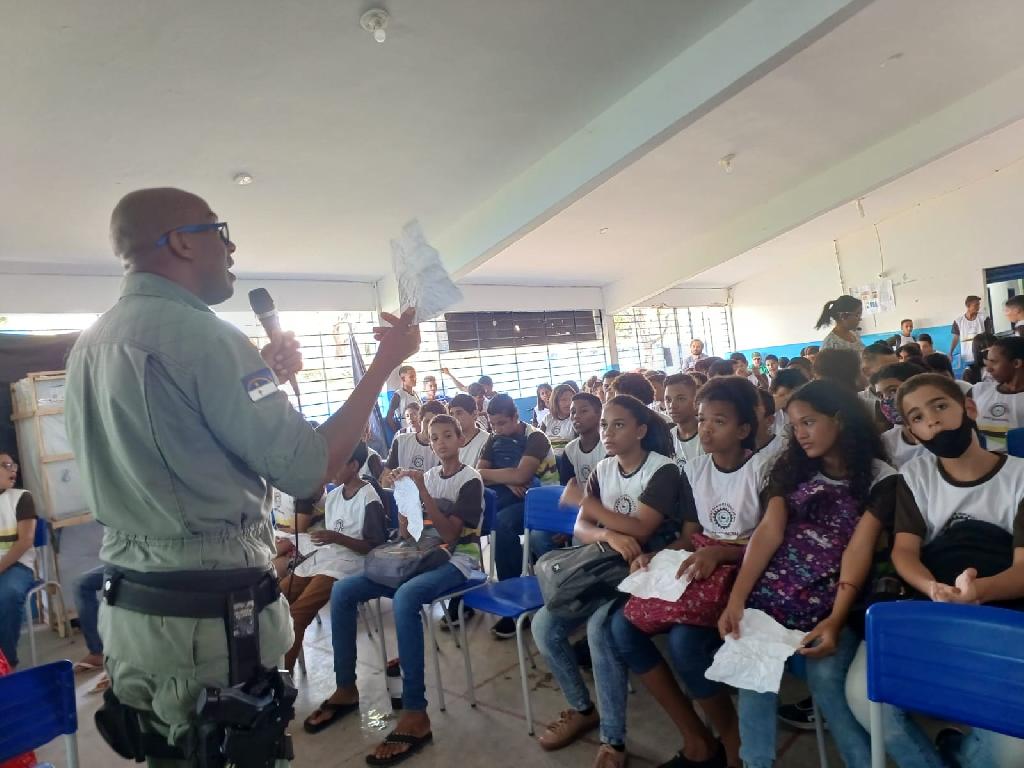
point(799, 715)
point(504, 629)
point(451, 623)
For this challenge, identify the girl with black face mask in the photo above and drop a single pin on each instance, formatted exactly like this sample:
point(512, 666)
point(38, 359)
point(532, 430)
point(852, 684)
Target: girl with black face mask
point(959, 538)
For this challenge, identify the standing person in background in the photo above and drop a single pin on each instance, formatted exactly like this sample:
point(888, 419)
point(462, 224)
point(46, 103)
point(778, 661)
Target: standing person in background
point(543, 406)
point(696, 353)
point(906, 332)
point(1014, 309)
point(476, 391)
point(430, 391)
point(403, 396)
point(971, 323)
point(845, 312)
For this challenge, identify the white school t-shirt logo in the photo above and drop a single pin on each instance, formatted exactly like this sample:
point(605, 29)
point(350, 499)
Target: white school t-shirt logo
point(585, 471)
point(998, 411)
point(556, 428)
point(723, 515)
point(625, 505)
point(417, 462)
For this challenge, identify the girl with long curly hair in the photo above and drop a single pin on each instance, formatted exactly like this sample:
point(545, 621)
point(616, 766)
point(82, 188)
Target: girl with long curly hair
point(810, 556)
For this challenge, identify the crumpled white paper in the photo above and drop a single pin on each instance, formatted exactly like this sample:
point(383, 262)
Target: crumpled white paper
point(658, 579)
point(423, 282)
point(756, 660)
point(407, 497)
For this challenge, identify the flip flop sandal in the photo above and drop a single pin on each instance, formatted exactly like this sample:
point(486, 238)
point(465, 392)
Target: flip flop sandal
point(85, 666)
point(101, 685)
point(416, 743)
point(336, 712)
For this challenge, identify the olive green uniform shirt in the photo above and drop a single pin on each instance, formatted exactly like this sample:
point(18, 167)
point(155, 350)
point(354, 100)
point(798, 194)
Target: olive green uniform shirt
point(178, 426)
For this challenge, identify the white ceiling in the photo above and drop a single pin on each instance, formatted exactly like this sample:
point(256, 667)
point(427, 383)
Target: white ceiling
point(828, 102)
point(346, 138)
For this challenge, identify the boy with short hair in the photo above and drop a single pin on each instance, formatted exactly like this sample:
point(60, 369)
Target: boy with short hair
point(412, 450)
point(783, 386)
point(772, 364)
point(403, 396)
point(973, 322)
point(1014, 309)
point(355, 523)
point(906, 331)
point(924, 340)
point(680, 396)
point(462, 408)
point(1000, 402)
point(657, 381)
point(582, 454)
point(411, 419)
point(900, 444)
point(430, 388)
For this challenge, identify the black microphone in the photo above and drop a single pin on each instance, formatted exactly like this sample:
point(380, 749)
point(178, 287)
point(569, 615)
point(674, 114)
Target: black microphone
point(266, 313)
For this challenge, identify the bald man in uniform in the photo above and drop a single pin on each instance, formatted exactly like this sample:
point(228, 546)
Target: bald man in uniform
point(179, 427)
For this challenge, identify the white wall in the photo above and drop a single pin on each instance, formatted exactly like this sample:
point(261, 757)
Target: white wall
point(933, 252)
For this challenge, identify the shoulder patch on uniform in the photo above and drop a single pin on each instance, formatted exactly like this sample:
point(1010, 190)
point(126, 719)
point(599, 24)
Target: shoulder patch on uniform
point(259, 384)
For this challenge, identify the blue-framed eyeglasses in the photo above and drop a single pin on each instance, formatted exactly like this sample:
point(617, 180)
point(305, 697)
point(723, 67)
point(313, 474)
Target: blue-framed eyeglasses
point(220, 226)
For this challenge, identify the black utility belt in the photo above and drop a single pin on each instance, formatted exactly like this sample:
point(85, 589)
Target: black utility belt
point(189, 594)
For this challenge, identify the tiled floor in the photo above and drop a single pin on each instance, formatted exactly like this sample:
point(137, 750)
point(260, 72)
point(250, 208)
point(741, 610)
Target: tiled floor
point(493, 734)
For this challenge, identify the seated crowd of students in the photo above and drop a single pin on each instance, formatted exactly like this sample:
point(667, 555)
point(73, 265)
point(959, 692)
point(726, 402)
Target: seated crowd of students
point(823, 484)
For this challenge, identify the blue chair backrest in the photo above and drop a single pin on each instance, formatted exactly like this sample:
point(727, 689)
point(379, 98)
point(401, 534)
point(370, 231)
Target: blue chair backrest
point(1015, 442)
point(42, 536)
point(963, 663)
point(36, 706)
point(543, 512)
point(490, 511)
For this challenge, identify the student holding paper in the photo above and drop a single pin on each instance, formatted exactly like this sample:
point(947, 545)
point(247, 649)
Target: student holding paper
point(725, 481)
point(452, 496)
point(810, 556)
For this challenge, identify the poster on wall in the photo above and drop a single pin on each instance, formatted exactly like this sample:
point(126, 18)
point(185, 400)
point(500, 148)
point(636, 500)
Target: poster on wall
point(876, 297)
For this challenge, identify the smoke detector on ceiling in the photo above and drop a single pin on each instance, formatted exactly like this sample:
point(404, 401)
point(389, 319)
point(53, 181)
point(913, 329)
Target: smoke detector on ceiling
point(375, 21)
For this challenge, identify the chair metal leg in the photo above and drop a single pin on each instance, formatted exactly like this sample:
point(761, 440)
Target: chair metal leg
point(465, 655)
point(302, 661)
point(819, 731)
point(64, 609)
point(382, 645)
point(522, 674)
point(877, 736)
point(71, 749)
point(31, 631)
point(437, 657)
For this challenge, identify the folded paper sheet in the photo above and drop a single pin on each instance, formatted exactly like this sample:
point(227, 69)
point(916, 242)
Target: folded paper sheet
point(407, 498)
point(423, 282)
point(756, 659)
point(658, 579)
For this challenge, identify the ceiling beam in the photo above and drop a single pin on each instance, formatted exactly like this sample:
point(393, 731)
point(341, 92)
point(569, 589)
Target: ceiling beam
point(755, 40)
point(976, 115)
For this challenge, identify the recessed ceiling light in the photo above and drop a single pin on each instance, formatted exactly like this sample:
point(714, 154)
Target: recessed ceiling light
point(243, 179)
point(375, 21)
point(603, 231)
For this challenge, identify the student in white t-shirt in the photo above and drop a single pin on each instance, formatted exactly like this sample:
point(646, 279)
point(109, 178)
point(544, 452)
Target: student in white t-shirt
point(725, 483)
point(411, 419)
point(583, 453)
point(403, 396)
point(969, 500)
point(906, 332)
point(681, 406)
point(1000, 402)
point(543, 406)
point(18, 522)
point(557, 425)
point(412, 451)
point(899, 442)
point(355, 522)
point(633, 503)
point(968, 325)
point(462, 408)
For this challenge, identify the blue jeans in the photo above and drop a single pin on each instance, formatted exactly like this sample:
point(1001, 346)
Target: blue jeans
point(15, 583)
point(87, 593)
point(826, 678)
point(508, 551)
point(406, 601)
point(692, 650)
point(552, 637)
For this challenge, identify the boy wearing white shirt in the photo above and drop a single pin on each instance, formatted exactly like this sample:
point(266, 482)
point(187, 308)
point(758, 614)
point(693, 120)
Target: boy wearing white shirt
point(900, 443)
point(680, 392)
point(970, 324)
point(1000, 402)
point(582, 454)
point(462, 408)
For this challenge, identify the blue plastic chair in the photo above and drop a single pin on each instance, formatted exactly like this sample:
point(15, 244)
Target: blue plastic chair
point(963, 663)
point(520, 597)
point(36, 706)
point(1015, 442)
point(41, 584)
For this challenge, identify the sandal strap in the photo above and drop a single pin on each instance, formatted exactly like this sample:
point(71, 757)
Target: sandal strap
point(403, 738)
